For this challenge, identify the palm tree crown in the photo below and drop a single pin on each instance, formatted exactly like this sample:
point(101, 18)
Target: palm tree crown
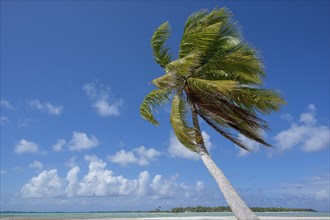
point(217, 75)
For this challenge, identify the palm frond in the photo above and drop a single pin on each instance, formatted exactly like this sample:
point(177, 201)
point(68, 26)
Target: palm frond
point(242, 78)
point(213, 87)
point(184, 133)
point(203, 18)
point(160, 52)
point(184, 66)
point(150, 103)
point(200, 39)
point(205, 32)
point(169, 81)
point(193, 19)
point(240, 62)
point(220, 126)
point(257, 99)
point(228, 113)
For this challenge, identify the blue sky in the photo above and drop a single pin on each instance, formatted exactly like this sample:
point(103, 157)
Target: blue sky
point(73, 75)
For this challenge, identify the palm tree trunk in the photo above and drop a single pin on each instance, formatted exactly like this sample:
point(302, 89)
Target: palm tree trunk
point(235, 202)
point(237, 205)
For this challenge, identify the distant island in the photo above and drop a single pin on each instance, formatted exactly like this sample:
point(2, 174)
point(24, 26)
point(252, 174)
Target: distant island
point(227, 209)
point(185, 209)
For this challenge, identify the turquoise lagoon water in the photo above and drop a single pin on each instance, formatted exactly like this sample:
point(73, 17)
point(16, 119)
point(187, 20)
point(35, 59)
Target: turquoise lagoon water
point(101, 215)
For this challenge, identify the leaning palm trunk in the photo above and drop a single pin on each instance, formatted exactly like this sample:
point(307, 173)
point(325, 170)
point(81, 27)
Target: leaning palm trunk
point(235, 202)
point(237, 205)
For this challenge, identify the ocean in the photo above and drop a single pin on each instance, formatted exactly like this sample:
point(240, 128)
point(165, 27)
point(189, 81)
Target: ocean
point(103, 215)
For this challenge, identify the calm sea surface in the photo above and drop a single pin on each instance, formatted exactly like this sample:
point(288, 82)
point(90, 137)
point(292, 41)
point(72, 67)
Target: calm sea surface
point(100, 215)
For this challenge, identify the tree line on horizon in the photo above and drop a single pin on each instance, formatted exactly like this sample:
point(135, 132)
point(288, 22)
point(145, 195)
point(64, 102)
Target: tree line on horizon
point(227, 209)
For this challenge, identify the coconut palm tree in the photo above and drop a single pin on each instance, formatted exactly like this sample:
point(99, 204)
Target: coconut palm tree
point(217, 77)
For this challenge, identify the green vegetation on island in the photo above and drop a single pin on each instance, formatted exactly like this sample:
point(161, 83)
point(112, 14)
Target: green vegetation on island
point(227, 209)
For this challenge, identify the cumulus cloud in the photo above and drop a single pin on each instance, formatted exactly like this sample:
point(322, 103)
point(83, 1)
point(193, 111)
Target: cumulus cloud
point(102, 99)
point(306, 133)
point(25, 146)
point(71, 162)
point(36, 165)
point(104, 108)
point(72, 181)
point(6, 104)
point(176, 149)
point(45, 107)
point(80, 141)
point(140, 156)
point(102, 182)
point(165, 187)
point(46, 184)
point(59, 145)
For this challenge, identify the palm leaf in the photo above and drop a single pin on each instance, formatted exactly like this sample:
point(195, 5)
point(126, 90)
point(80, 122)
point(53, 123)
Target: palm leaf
point(169, 81)
point(221, 109)
point(160, 52)
point(153, 100)
point(240, 62)
point(242, 78)
point(184, 66)
point(220, 127)
point(193, 19)
point(257, 99)
point(184, 133)
point(205, 32)
point(210, 87)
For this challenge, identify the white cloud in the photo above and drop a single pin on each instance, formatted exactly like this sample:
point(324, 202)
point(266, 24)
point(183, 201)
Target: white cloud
point(140, 156)
point(80, 141)
point(176, 149)
point(306, 133)
point(71, 162)
point(142, 183)
point(59, 145)
point(72, 179)
point(104, 108)
point(3, 172)
point(102, 182)
point(25, 146)
point(162, 187)
point(46, 184)
point(45, 107)
point(102, 100)
point(36, 165)
point(3, 120)
point(6, 104)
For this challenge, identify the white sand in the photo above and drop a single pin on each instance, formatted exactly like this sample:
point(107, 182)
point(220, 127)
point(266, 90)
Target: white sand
point(233, 218)
point(190, 218)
